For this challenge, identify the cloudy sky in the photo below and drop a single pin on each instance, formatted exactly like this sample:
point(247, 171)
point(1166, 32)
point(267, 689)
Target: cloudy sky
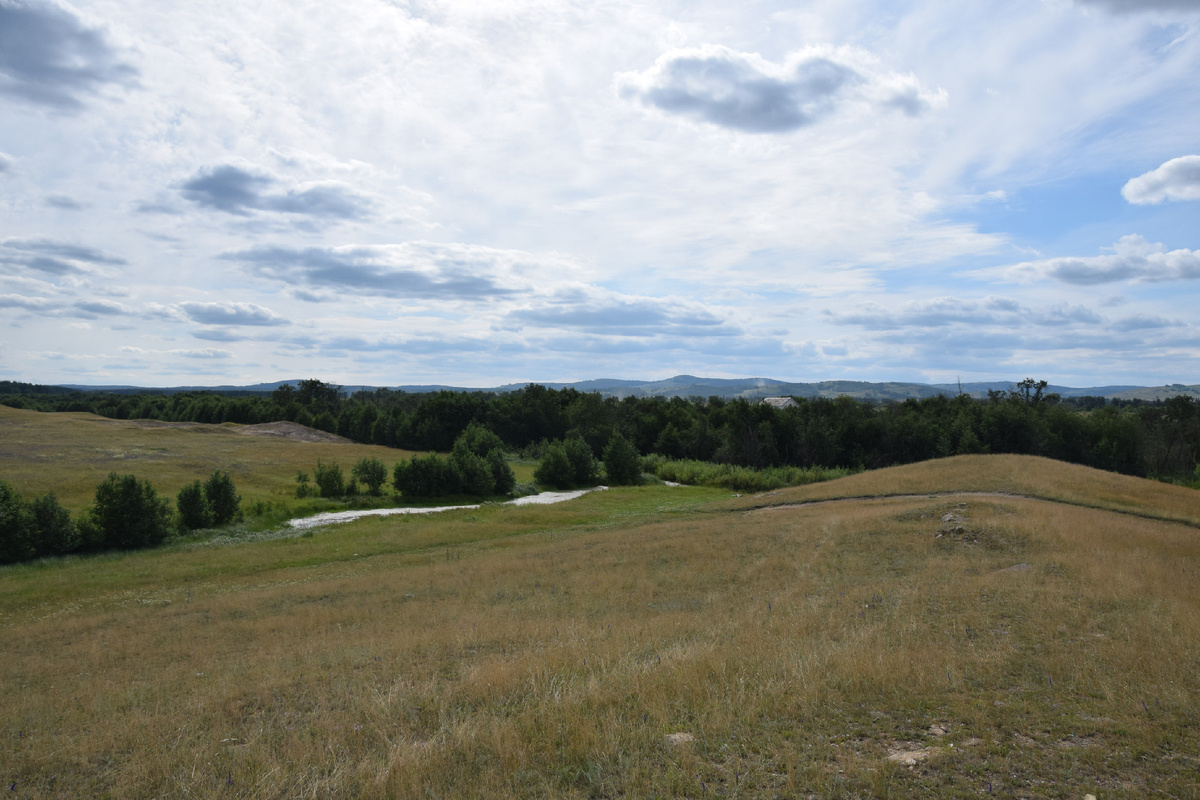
point(448, 191)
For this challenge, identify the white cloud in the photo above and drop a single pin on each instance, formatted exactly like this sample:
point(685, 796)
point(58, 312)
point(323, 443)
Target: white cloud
point(228, 313)
point(1133, 259)
point(1177, 179)
point(744, 91)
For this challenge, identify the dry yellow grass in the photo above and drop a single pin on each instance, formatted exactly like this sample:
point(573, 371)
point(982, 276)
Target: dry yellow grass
point(1032, 649)
point(70, 453)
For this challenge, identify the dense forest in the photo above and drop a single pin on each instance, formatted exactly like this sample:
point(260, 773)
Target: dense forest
point(1159, 439)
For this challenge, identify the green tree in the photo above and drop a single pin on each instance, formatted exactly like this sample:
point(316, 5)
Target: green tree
point(502, 475)
point(17, 529)
point(126, 514)
point(56, 532)
point(222, 498)
point(193, 509)
point(329, 480)
point(303, 488)
point(475, 476)
point(372, 473)
point(555, 468)
point(622, 465)
point(584, 468)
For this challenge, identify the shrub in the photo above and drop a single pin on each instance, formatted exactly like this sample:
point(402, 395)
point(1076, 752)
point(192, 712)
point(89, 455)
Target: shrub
point(426, 476)
point(372, 473)
point(479, 440)
point(555, 468)
point(475, 476)
point(224, 504)
point(193, 510)
point(502, 475)
point(583, 463)
point(126, 514)
point(17, 530)
point(622, 465)
point(303, 488)
point(329, 480)
point(56, 532)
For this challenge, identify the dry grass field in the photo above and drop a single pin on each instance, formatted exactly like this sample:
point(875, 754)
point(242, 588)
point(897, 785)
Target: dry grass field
point(70, 453)
point(953, 639)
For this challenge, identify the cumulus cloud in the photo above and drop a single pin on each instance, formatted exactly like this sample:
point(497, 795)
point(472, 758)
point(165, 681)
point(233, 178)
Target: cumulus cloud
point(49, 57)
point(227, 313)
point(97, 308)
point(420, 270)
point(746, 92)
point(241, 192)
point(6, 163)
point(208, 352)
point(1132, 259)
point(1178, 179)
point(26, 303)
point(53, 257)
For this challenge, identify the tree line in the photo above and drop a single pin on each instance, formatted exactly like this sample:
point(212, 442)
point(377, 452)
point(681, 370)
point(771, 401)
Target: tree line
point(125, 514)
point(1152, 439)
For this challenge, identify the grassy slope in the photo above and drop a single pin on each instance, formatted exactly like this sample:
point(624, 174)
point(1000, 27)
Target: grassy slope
point(549, 651)
point(1020, 475)
point(70, 453)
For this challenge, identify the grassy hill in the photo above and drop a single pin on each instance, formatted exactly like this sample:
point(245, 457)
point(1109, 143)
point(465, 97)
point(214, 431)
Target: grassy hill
point(966, 627)
point(70, 453)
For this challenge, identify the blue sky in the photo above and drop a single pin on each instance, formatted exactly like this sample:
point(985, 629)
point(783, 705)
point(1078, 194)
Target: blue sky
point(390, 192)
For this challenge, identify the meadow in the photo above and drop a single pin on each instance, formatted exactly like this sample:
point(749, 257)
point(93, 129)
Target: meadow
point(972, 626)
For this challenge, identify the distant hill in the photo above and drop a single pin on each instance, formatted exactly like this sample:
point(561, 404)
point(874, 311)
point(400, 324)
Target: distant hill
point(693, 386)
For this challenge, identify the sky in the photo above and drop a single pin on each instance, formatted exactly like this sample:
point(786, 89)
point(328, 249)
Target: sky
point(392, 192)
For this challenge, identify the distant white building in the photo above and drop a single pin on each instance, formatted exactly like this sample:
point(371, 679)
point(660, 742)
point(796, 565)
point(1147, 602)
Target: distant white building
point(781, 402)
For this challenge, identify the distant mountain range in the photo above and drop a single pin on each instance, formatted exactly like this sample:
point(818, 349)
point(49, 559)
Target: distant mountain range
point(748, 388)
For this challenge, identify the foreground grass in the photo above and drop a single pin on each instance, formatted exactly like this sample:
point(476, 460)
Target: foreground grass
point(1019, 647)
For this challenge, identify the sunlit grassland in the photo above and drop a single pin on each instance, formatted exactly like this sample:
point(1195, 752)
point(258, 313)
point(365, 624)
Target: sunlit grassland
point(1030, 476)
point(549, 651)
point(70, 453)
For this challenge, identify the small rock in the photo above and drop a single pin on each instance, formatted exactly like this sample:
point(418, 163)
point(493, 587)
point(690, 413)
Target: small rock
point(679, 739)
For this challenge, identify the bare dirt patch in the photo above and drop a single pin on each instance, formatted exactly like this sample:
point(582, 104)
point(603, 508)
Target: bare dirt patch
point(293, 431)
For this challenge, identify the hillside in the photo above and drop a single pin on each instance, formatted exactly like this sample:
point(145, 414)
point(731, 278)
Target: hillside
point(926, 630)
point(70, 453)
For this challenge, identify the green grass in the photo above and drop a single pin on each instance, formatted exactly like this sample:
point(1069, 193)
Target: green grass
point(1043, 646)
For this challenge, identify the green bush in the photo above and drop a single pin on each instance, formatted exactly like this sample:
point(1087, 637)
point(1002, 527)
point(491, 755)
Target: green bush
point(329, 480)
point(372, 473)
point(426, 476)
point(126, 514)
point(555, 468)
point(224, 504)
point(479, 440)
point(193, 510)
point(584, 468)
point(706, 473)
point(475, 475)
point(17, 528)
point(622, 465)
point(502, 475)
point(56, 532)
point(303, 487)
